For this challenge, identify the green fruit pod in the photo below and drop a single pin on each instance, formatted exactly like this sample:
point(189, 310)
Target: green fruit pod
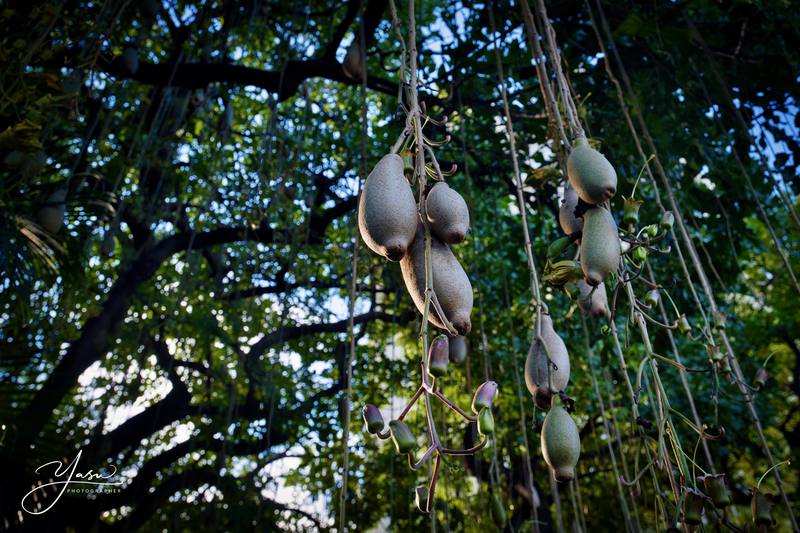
point(557, 247)
point(570, 224)
point(498, 511)
point(561, 444)
point(447, 213)
point(717, 489)
point(761, 505)
point(402, 437)
point(438, 356)
point(639, 254)
point(600, 251)
point(594, 304)
point(486, 421)
point(387, 213)
point(450, 283)
point(373, 419)
point(590, 173)
point(484, 396)
point(458, 349)
point(693, 502)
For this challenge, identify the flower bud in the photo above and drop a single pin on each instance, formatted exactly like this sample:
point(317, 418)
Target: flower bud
point(402, 437)
point(484, 396)
point(667, 220)
point(693, 506)
point(631, 210)
point(486, 421)
point(422, 498)
point(438, 356)
point(652, 297)
point(639, 254)
point(651, 230)
point(761, 506)
point(683, 325)
point(717, 489)
point(372, 418)
point(761, 377)
point(719, 320)
point(714, 352)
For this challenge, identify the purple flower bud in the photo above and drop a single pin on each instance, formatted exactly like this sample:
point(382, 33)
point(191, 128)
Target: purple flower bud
point(438, 356)
point(761, 377)
point(484, 396)
point(373, 418)
point(667, 220)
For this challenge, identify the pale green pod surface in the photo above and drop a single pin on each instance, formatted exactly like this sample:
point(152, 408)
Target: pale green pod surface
point(590, 173)
point(447, 213)
point(387, 213)
point(566, 213)
point(561, 444)
point(594, 304)
point(553, 350)
point(450, 282)
point(51, 216)
point(600, 251)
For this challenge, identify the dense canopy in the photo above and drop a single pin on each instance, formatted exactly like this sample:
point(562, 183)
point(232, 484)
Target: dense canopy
point(188, 306)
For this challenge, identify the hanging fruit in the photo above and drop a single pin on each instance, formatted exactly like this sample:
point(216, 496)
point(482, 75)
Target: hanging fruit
point(458, 349)
point(570, 224)
point(693, 502)
point(51, 216)
point(717, 489)
point(373, 419)
point(447, 213)
point(761, 504)
point(561, 445)
point(484, 396)
point(450, 283)
point(387, 213)
point(438, 356)
point(592, 300)
point(590, 173)
point(547, 367)
point(404, 440)
point(600, 251)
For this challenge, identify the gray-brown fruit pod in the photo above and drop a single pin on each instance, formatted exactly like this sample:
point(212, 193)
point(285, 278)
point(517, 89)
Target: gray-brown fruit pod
point(458, 349)
point(450, 283)
point(447, 213)
point(561, 443)
point(594, 304)
point(352, 66)
point(590, 173)
point(600, 251)
point(387, 213)
point(566, 213)
point(542, 378)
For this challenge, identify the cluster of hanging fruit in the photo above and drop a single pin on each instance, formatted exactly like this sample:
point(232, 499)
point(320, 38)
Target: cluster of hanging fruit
point(390, 224)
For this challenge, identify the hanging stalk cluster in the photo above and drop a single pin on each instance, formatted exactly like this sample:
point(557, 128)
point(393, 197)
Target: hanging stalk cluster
point(417, 234)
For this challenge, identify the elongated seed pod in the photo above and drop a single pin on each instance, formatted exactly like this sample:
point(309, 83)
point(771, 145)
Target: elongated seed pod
point(547, 368)
point(561, 443)
point(566, 213)
point(387, 213)
point(450, 282)
point(352, 66)
point(51, 216)
point(590, 173)
point(594, 304)
point(600, 251)
point(447, 213)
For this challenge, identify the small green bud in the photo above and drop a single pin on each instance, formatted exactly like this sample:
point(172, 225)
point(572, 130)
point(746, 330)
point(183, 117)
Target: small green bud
point(719, 320)
point(402, 437)
point(372, 418)
point(639, 254)
point(486, 421)
point(761, 377)
point(683, 325)
point(667, 220)
point(651, 230)
point(631, 210)
point(484, 396)
point(605, 330)
point(652, 297)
